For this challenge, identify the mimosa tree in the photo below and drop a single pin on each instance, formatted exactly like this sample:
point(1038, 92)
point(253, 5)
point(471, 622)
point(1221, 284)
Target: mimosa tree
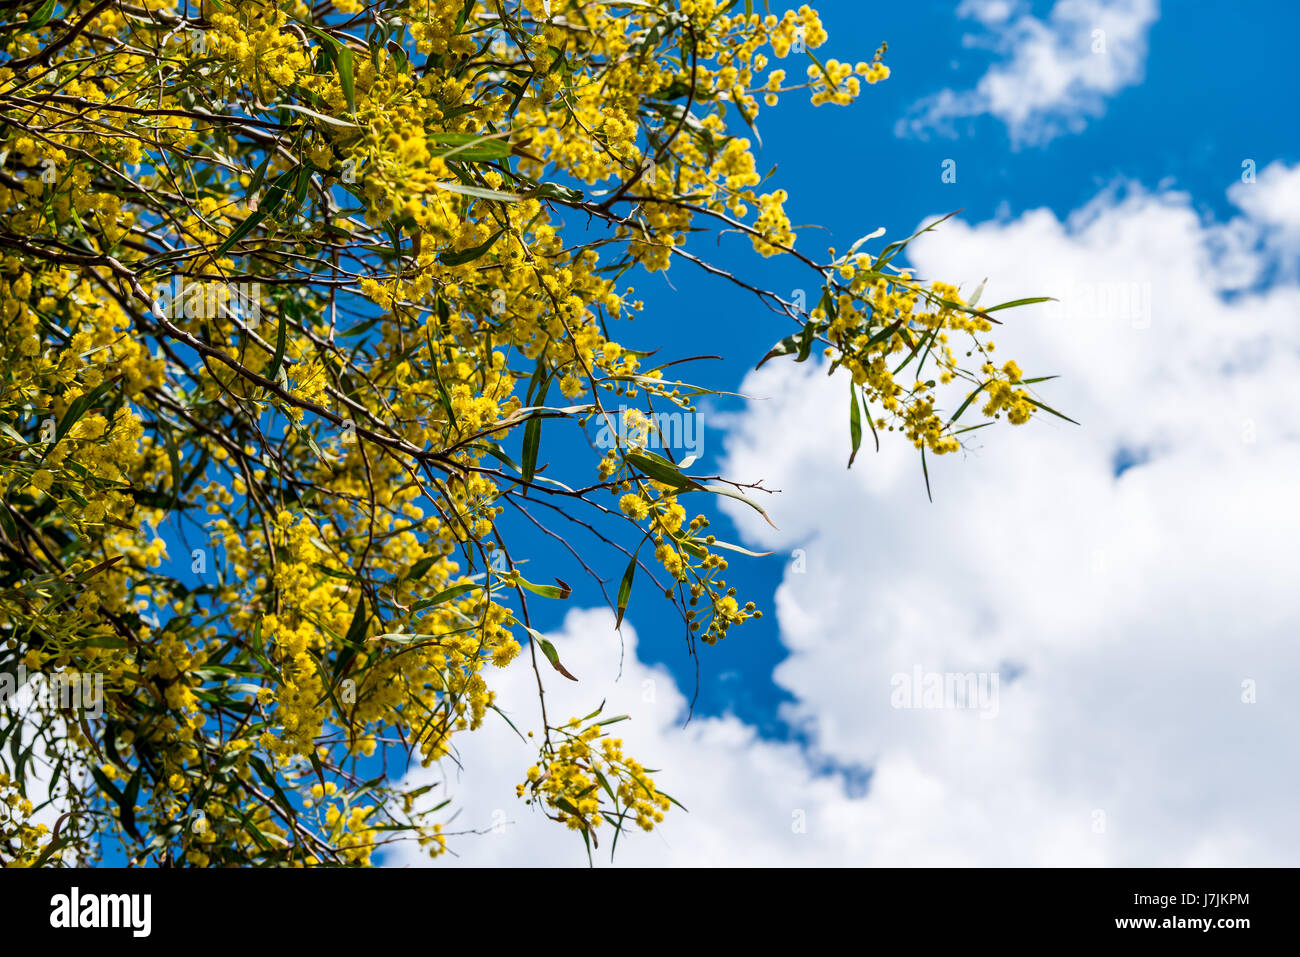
point(309, 286)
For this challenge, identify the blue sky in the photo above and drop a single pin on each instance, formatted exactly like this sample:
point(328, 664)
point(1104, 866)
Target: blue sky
point(1122, 584)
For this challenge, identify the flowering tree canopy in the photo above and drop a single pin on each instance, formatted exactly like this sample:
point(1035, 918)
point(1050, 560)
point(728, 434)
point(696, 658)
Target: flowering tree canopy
point(310, 285)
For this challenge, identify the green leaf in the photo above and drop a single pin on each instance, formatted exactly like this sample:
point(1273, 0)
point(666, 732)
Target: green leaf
point(128, 804)
point(564, 194)
point(893, 249)
point(265, 774)
point(562, 590)
point(118, 797)
point(1048, 408)
point(916, 347)
point(260, 174)
point(926, 470)
point(344, 64)
point(732, 493)
point(532, 441)
point(81, 405)
point(419, 569)
point(855, 423)
point(469, 255)
point(42, 16)
point(1019, 302)
point(625, 590)
point(661, 470)
point(970, 398)
point(749, 120)
point(469, 146)
point(785, 347)
point(718, 543)
point(274, 369)
point(357, 629)
point(301, 186)
point(552, 655)
point(806, 340)
point(173, 457)
point(480, 192)
point(332, 46)
point(455, 591)
point(274, 194)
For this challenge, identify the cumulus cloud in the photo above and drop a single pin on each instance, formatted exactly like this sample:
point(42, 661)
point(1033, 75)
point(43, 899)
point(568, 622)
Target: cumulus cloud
point(1052, 75)
point(748, 799)
point(1128, 614)
point(1271, 201)
point(1127, 582)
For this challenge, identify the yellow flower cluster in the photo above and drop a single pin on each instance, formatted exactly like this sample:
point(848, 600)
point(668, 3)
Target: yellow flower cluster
point(684, 550)
point(587, 779)
point(22, 843)
point(879, 325)
point(345, 464)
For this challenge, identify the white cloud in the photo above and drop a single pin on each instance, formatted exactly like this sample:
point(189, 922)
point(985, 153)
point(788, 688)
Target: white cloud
point(1277, 200)
point(1122, 614)
point(1053, 76)
point(24, 705)
point(1272, 204)
point(742, 792)
point(988, 12)
point(1134, 607)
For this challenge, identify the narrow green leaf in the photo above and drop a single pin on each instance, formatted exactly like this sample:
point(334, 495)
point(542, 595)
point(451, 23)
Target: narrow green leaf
point(661, 470)
point(301, 186)
point(258, 176)
point(625, 591)
point(749, 120)
point(532, 442)
point(970, 398)
point(785, 347)
point(419, 569)
point(565, 194)
point(81, 405)
point(926, 469)
point(128, 804)
point(1048, 408)
point(480, 192)
point(464, 256)
point(893, 249)
point(718, 543)
point(1019, 302)
point(266, 775)
point(806, 340)
point(552, 655)
point(357, 629)
point(273, 370)
point(562, 590)
point(732, 493)
point(344, 64)
point(455, 591)
point(274, 194)
point(855, 423)
point(42, 16)
point(469, 146)
point(173, 458)
point(118, 797)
